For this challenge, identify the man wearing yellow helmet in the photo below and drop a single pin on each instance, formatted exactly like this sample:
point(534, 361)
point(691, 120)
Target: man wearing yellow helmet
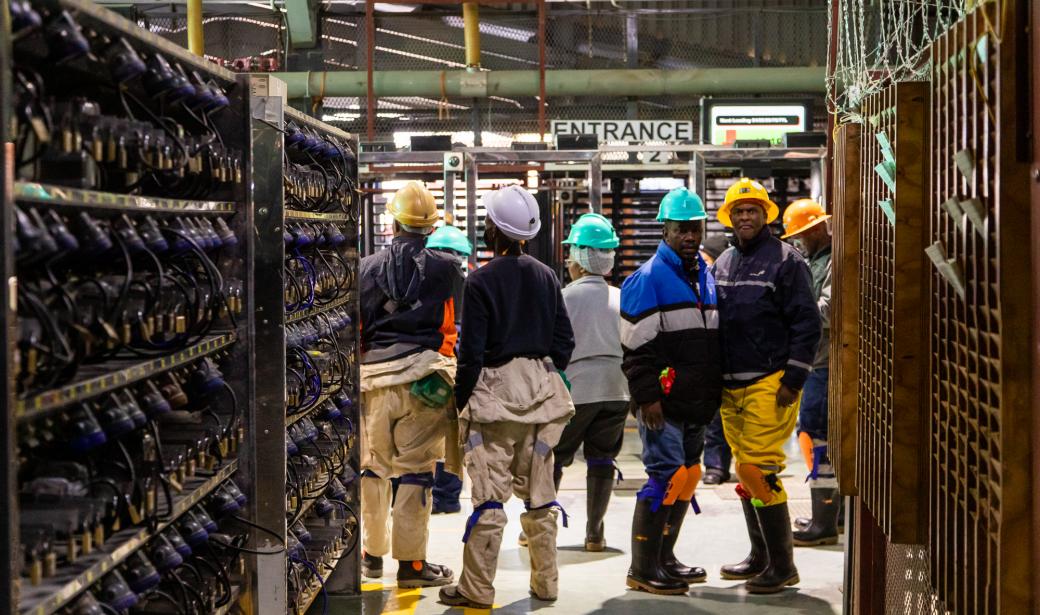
point(770, 330)
point(806, 224)
point(408, 367)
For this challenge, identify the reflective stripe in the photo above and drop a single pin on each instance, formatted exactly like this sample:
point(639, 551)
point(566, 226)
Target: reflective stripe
point(712, 318)
point(744, 376)
point(804, 366)
point(635, 334)
point(474, 440)
point(541, 448)
point(681, 320)
point(763, 283)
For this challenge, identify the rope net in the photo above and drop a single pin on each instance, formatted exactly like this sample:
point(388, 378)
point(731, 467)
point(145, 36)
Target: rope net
point(880, 42)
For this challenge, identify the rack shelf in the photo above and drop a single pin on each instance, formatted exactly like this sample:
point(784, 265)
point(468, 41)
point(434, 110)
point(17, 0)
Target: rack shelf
point(86, 8)
point(50, 596)
point(314, 589)
point(299, 416)
point(295, 214)
point(314, 311)
point(47, 194)
point(45, 403)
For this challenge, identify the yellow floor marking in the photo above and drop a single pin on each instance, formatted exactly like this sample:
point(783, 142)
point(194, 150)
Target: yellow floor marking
point(372, 587)
point(402, 601)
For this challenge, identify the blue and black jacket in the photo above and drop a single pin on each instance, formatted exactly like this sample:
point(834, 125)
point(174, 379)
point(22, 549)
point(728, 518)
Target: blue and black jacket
point(669, 320)
point(407, 301)
point(770, 321)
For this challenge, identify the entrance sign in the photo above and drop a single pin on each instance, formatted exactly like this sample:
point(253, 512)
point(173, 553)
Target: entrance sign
point(633, 131)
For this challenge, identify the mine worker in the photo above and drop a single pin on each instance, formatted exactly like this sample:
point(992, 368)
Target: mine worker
point(513, 399)
point(805, 222)
point(770, 332)
point(598, 386)
point(447, 481)
point(407, 372)
point(672, 361)
point(717, 456)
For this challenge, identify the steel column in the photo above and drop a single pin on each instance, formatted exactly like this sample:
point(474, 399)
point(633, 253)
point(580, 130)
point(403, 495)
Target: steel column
point(596, 185)
point(471, 206)
point(541, 69)
point(262, 462)
point(370, 61)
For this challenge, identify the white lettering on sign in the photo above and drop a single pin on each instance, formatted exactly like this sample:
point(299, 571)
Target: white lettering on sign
point(626, 130)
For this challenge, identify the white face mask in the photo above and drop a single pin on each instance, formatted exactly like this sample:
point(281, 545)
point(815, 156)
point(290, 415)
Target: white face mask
point(464, 264)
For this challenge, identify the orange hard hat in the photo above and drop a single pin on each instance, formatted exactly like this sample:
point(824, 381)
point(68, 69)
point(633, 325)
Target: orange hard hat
point(802, 215)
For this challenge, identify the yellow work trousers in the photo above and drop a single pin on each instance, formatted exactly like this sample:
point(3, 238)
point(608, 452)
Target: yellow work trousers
point(756, 428)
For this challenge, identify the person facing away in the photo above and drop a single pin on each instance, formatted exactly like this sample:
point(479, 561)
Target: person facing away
point(512, 398)
point(598, 385)
point(407, 371)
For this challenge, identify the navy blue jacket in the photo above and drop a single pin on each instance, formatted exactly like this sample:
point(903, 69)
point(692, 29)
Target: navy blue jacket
point(769, 317)
point(514, 309)
point(668, 321)
point(407, 304)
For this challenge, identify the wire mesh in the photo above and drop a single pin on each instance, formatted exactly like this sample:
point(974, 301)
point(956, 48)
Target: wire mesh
point(907, 585)
point(665, 35)
point(879, 43)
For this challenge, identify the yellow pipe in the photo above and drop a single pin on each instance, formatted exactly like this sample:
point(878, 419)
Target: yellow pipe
point(195, 44)
point(471, 32)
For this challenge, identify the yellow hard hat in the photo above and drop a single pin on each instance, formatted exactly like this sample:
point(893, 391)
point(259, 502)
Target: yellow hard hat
point(802, 215)
point(745, 189)
point(413, 205)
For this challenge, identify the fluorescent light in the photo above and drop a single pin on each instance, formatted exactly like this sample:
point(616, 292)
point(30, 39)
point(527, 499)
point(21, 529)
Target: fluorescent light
point(388, 7)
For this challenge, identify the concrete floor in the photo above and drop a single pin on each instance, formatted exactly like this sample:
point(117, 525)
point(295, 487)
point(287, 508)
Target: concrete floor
point(595, 582)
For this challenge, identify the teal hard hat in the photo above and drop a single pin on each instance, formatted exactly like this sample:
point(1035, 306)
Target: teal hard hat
point(449, 238)
point(680, 204)
point(593, 231)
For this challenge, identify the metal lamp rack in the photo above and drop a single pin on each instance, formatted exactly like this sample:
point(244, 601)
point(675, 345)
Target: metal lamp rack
point(248, 349)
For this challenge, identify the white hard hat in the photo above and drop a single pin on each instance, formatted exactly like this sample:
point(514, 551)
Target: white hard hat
point(514, 211)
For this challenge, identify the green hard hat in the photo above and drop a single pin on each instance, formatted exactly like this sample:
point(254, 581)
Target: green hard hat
point(593, 231)
point(680, 204)
point(449, 238)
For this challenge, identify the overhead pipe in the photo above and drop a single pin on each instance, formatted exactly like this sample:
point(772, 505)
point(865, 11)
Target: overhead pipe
point(471, 33)
point(599, 82)
point(195, 40)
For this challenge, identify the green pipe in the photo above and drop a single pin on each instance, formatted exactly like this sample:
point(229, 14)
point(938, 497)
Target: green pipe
point(613, 82)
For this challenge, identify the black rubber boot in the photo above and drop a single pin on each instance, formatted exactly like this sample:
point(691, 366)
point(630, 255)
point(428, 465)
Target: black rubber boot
point(823, 527)
point(420, 573)
point(371, 566)
point(673, 524)
point(758, 559)
point(781, 572)
point(599, 486)
point(646, 573)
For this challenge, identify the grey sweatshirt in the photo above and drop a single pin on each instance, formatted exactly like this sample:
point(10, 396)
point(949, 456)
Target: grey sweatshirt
point(595, 368)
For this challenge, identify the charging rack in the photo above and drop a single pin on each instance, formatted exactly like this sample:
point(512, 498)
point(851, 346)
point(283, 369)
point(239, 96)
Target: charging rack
point(245, 324)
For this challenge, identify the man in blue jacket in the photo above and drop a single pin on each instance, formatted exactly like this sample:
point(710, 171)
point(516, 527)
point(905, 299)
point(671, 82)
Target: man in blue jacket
point(770, 331)
point(670, 339)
